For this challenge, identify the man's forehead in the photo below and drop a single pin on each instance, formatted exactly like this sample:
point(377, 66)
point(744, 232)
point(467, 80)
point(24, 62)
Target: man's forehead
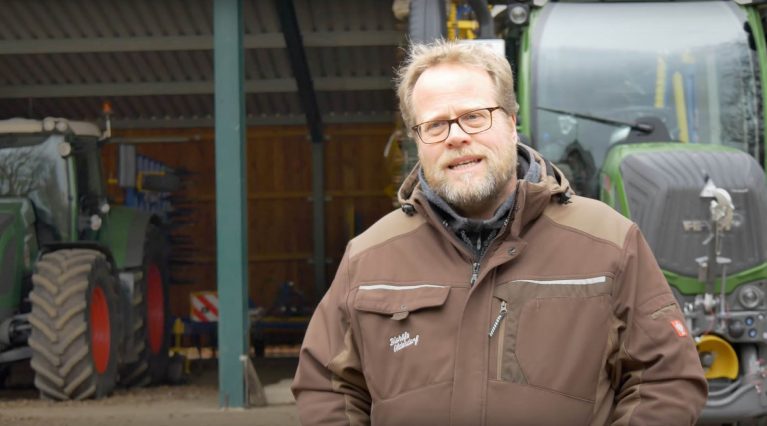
point(433, 76)
point(450, 89)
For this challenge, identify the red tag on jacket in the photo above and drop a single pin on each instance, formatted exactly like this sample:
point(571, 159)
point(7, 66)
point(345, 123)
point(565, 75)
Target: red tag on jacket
point(679, 327)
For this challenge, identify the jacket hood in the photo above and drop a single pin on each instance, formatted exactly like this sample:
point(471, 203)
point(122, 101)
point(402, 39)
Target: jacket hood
point(532, 197)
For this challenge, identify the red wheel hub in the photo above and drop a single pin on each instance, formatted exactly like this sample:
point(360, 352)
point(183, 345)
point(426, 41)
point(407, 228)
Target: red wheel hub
point(101, 338)
point(155, 308)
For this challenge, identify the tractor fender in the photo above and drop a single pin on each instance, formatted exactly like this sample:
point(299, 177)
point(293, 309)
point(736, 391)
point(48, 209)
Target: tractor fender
point(123, 232)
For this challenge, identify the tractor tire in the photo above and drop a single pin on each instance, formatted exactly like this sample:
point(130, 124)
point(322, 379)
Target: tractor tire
point(151, 325)
point(75, 325)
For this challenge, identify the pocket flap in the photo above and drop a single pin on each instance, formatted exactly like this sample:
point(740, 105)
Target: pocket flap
point(521, 290)
point(393, 299)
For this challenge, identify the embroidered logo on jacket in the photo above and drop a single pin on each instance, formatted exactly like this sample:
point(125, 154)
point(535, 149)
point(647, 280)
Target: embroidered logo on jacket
point(402, 341)
point(680, 329)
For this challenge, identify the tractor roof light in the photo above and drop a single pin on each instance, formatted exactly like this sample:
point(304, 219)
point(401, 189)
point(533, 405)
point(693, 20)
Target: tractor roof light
point(56, 125)
point(62, 126)
point(49, 124)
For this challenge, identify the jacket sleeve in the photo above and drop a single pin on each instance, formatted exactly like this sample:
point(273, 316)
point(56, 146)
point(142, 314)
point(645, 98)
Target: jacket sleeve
point(658, 377)
point(329, 385)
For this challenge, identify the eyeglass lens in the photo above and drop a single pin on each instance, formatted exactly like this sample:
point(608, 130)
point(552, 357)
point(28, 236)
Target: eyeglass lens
point(470, 122)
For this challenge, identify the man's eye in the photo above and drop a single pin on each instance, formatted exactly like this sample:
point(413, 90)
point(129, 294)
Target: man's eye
point(434, 125)
point(472, 116)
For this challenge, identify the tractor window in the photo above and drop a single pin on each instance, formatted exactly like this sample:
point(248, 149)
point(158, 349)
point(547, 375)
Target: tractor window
point(90, 187)
point(31, 167)
point(687, 64)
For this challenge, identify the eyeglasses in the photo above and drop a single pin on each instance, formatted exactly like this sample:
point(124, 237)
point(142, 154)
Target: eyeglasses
point(471, 122)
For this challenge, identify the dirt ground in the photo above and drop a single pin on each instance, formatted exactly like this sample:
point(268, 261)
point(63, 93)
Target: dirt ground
point(192, 404)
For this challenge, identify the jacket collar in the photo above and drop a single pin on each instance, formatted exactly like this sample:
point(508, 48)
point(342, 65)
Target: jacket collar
point(531, 197)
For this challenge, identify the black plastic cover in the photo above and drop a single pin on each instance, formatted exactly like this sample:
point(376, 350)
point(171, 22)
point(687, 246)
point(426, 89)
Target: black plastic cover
point(663, 191)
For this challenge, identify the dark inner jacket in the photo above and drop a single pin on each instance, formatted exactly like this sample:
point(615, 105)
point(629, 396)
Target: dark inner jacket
point(478, 234)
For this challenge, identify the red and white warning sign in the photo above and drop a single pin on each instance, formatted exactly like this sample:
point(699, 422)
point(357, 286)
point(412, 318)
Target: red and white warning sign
point(204, 306)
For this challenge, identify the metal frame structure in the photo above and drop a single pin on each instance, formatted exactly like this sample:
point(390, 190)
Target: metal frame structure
point(231, 203)
point(293, 40)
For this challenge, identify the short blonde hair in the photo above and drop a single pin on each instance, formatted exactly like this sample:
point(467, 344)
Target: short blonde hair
point(424, 56)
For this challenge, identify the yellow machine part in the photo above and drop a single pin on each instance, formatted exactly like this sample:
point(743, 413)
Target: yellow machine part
point(460, 29)
point(725, 364)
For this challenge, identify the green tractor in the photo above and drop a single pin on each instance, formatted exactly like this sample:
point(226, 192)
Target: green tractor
point(658, 109)
point(83, 285)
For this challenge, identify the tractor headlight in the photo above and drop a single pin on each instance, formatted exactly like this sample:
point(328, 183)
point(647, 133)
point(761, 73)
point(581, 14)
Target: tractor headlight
point(96, 222)
point(518, 13)
point(750, 296)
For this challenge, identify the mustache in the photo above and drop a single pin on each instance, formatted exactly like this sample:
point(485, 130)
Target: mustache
point(448, 157)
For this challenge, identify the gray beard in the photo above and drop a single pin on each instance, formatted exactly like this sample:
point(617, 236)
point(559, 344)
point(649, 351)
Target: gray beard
point(469, 197)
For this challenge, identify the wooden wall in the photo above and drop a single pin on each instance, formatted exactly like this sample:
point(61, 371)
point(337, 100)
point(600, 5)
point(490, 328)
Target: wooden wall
point(357, 181)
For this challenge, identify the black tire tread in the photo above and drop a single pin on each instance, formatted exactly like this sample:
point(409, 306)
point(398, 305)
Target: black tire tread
point(59, 340)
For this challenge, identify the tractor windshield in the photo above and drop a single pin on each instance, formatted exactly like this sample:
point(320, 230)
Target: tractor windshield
point(688, 64)
point(31, 167)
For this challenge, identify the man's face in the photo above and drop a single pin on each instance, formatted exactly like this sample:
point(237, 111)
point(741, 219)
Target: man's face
point(473, 173)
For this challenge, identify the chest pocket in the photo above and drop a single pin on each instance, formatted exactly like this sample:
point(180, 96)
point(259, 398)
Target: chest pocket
point(399, 301)
point(556, 333)
point(405, 337)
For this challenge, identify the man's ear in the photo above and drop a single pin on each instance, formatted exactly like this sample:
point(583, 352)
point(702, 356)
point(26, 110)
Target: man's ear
point(512, 121)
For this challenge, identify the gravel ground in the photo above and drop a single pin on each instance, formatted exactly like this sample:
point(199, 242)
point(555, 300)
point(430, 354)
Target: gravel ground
point(191, 404)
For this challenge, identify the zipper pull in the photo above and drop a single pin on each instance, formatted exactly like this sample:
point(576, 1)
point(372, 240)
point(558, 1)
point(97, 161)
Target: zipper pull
point(499, 318)
point(474, 273)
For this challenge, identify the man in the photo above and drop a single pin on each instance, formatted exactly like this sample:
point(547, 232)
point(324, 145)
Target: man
point(493, 296)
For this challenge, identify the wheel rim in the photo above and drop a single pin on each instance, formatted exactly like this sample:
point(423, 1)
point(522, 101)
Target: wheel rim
point(155, 305)
point(101, 338)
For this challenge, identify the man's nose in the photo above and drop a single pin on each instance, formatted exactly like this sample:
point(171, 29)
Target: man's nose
point(456, 136)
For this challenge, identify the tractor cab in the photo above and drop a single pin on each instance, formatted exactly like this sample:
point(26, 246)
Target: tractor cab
point(58, 170)
point(597, 69)
point(657, 109)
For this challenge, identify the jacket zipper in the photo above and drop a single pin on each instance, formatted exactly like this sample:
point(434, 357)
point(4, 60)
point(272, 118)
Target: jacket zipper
point(499, 318)
point(499, 325)
point(475, 266)
point(474, 273)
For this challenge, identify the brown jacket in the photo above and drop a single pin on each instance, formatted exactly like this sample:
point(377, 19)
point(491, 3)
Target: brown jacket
point(590, 334)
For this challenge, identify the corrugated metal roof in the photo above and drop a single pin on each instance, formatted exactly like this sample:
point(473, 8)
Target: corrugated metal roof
point(153, 60)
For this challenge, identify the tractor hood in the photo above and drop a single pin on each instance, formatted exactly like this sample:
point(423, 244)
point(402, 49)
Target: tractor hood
point(659, 186)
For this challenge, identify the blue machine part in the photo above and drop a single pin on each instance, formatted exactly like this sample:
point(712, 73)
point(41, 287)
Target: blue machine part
point(157, 203)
